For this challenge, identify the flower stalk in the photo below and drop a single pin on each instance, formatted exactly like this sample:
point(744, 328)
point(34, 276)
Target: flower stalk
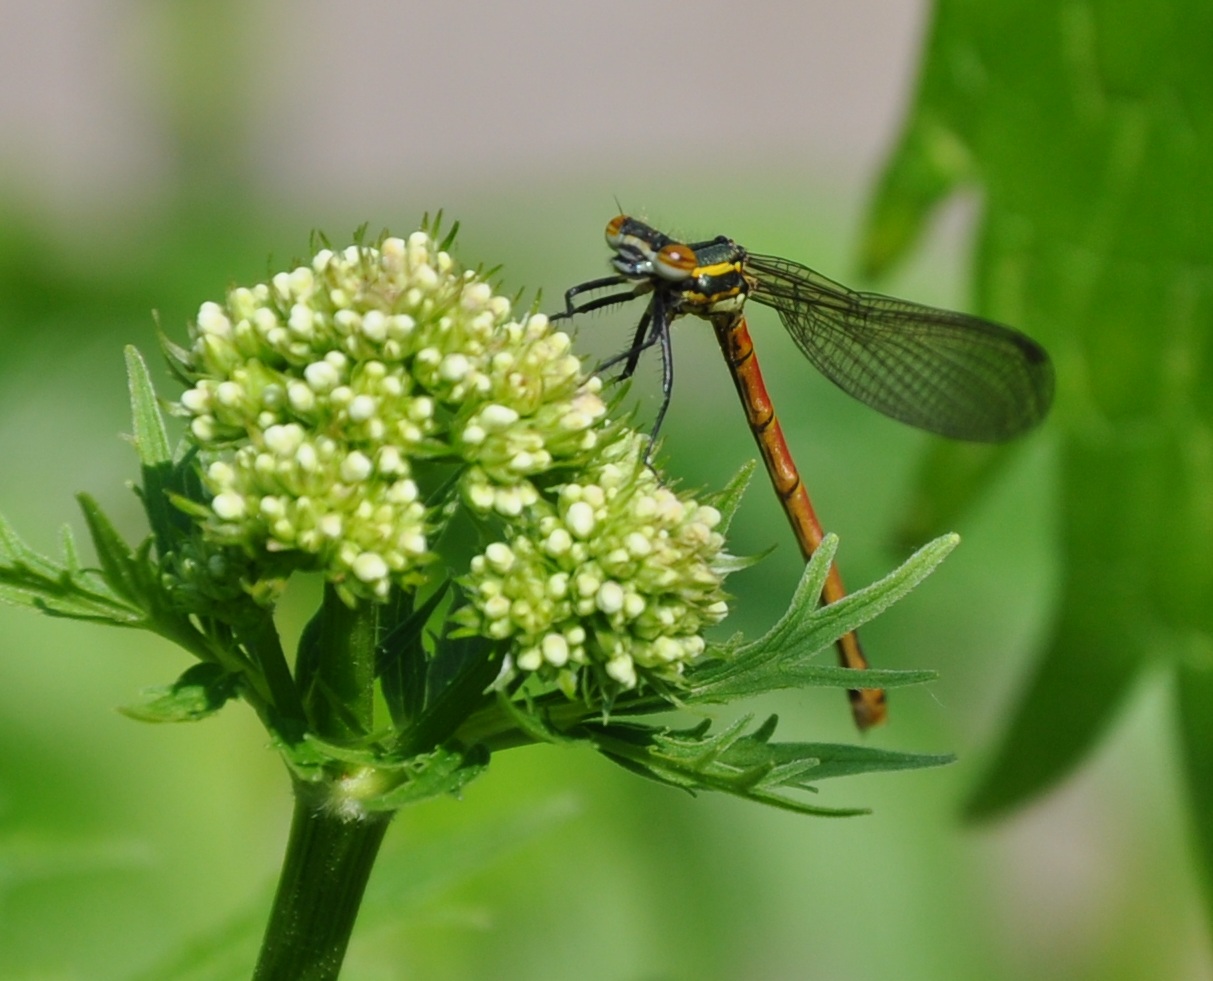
point(336, 669)
point(328, 861)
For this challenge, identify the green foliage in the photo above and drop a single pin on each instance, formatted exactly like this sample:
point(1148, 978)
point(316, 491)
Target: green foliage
point(782, 658)
point(1091, 138)
point(202, 690)
point(438, 691)
point(745, 764)
point(64, 588)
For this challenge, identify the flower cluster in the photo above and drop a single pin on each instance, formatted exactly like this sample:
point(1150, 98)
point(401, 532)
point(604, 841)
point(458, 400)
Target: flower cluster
point(617, 573)
point(343, 409)
point(316, 397)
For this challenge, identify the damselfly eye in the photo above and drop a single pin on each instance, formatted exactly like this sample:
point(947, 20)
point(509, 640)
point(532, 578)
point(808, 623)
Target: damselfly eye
point(614, 230)
point(675, 262)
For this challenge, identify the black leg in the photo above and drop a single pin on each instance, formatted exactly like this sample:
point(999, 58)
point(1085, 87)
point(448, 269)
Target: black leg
point(661, 332)
point(642, 340)
point(654, 328)
point(571, 308)
point(615, 299)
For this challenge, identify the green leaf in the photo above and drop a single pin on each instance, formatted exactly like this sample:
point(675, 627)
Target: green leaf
point(457, 684)
point(1194, 691)
point(122, 568)
point(150, 436)
point(442, 773)
point(931, 162)
point(782, 658)
point(1106, 635)
point(163, 481)
point(746, 765)
point(136, 578)
point(1092, 139)
point(200, 692)
point(126, 591)
point(535, 721)
point(401, 659)
point(60, 589)
point(728, 499)
point(335, 667)
point(950, 476)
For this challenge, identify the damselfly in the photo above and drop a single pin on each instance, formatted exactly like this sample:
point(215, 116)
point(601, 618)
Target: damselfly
point(948, 373)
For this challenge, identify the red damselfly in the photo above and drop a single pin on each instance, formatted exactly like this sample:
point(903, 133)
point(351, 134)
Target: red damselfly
point(945, 372)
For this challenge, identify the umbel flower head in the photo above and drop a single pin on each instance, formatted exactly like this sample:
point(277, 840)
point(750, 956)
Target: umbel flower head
point(616, 572)
point(344, 408)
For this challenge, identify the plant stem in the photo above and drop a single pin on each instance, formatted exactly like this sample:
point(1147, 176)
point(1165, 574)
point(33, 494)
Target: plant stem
point(331, 851)
point(340, 695)
point(324, 873)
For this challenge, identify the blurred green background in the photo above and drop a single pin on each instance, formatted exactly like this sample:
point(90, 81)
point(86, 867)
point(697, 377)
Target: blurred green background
point(153, 154)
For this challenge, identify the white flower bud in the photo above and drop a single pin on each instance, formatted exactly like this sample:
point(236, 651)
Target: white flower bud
point(558, 542)
point(555, 650)
point(369, 567)
point(622, 670)
point(356, 467)
point(497, 608)
point(196, 400)
point(610, 598)
point(285, 440)
point(321, 376)
point(374, 326)
point(498, 417)
point(362, 407)
point(454, 367)
point(228, 506)
point(580, 519)
point(212, 320)
point(499, 556)
point(300, 396)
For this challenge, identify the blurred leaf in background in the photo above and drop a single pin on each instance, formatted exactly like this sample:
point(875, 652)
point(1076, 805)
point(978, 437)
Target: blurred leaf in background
point(1089, 129)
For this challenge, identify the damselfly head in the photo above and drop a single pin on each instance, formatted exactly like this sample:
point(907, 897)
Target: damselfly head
point(623, 230)
point(641, 251)
point(635, 246)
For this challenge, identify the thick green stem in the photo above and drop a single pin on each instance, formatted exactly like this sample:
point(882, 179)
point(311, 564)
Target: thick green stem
point(333, 843)
point(340, 682)
point(328, 861)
